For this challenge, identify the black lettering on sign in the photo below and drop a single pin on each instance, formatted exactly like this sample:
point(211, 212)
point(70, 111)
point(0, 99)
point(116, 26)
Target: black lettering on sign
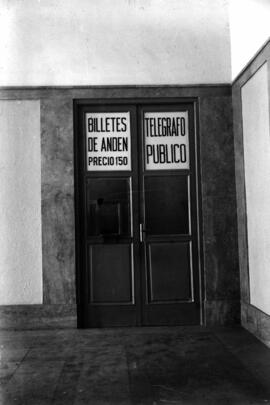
point(124, 125)
point(183, 153)
point(107, 120)
point(92, 144)
point(103, 144)
point(107, 124)
point(113, 124)
point(121, 161)
point(101, 161)
point(90, 125)
point(118, 127)
point(164, 126)
point(114, 144)
point(168, 128)
point(146, 126)
point(174, 128)
point(162, 153)
point(149, 152)
point(152, 123)
point(166, 154)
point(183, 126)
point(176, 158)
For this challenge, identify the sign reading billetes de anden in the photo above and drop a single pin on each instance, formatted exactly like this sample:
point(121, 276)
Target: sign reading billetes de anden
point(108, 143)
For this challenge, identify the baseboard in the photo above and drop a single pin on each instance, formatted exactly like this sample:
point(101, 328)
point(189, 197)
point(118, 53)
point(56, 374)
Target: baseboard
point(222, 312)
point(38, 316)
point(256, 321)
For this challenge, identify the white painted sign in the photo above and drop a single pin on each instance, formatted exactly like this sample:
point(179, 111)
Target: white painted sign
point(166, 140)
point(108, 141)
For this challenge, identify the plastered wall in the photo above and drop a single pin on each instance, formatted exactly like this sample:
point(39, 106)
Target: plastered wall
point(102, 42)
point(20, 203)
point(249, 28)
point(256, 139)
point(129, 41)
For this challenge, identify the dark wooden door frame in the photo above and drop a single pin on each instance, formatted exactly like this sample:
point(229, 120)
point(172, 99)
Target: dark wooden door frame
point(77, 104)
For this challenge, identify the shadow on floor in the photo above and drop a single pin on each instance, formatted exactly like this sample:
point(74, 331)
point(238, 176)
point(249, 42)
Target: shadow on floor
point(155, 366)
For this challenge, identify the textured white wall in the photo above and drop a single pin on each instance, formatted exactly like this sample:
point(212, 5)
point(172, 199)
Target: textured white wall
point(250, 28)
point(99, 42)
point(256, 136)
point(20, 203)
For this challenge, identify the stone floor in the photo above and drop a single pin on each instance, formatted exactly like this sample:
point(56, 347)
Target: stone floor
point(157, 366)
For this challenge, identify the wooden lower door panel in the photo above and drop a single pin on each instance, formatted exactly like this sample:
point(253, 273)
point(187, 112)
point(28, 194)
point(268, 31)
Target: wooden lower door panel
point(110, 298)
point(91, 316)
point(111, 274)
point(173, 314)
point(169, 284)
point(169, 273)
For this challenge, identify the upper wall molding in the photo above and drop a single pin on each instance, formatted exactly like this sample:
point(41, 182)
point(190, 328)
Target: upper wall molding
point(128, 86)
point(115, 92)
point(260, 57)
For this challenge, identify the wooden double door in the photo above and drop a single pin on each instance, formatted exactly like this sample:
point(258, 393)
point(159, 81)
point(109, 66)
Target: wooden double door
point(137, 244)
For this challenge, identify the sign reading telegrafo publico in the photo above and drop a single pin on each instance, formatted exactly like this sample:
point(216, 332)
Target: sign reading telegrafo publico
point(166, 140)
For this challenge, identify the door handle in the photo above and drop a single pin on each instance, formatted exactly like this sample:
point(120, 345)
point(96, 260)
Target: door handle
point(142, 231)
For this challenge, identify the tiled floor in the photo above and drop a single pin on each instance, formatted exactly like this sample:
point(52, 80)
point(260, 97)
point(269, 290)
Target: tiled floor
point(157, 366)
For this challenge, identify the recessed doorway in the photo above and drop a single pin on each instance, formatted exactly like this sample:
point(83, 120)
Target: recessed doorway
point(137, 233)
